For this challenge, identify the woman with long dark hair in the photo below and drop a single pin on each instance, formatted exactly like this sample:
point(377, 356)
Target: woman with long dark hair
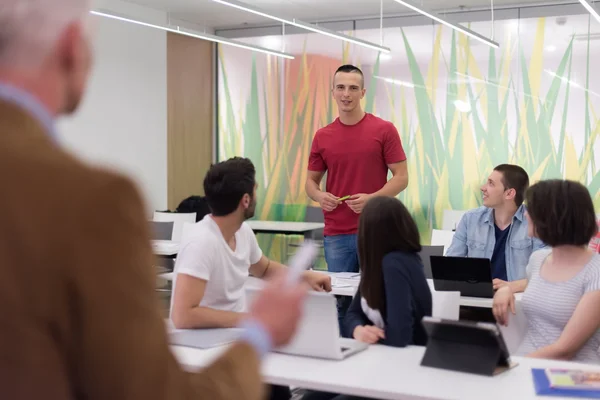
point(393, 295)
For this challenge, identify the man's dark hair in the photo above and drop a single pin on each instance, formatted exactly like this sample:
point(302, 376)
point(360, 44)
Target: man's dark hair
point(514, 177)
point(384, 226)
point(349, 68)
point(562, 212)
point(227, 182)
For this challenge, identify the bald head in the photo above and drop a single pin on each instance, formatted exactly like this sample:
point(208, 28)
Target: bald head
point(29, 29)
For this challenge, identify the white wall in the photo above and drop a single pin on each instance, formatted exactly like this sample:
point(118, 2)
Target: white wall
point(122, 123)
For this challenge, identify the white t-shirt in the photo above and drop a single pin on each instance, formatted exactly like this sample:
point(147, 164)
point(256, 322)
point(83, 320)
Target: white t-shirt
point(205, 254)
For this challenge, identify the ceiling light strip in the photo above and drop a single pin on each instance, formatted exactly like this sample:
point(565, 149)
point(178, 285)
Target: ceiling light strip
point(590, 9)
point(190, 33)
point(303, 25)
point(449, 24)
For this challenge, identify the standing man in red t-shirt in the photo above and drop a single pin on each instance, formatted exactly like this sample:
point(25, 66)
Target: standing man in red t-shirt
point(356, 150)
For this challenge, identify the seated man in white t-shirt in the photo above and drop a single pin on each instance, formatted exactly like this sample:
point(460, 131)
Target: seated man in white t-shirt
point(219, 252)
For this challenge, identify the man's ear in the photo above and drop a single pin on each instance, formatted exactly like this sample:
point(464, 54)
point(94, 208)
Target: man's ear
point(246, 201)
point(511, 194)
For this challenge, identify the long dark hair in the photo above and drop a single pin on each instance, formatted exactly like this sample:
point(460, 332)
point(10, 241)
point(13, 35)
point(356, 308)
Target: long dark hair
point(385, 225)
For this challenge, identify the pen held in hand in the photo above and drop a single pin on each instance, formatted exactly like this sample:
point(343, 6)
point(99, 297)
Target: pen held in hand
point(301, 261)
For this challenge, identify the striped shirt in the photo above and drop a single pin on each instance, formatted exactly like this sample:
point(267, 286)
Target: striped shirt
point(548, 306)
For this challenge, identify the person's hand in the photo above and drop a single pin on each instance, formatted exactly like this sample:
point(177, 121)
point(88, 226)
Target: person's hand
point(498, 283)
point(278, 308)
point(357, 202)
point(318, 281)
point(327, 201)
point(504, 299)
point(368, 334)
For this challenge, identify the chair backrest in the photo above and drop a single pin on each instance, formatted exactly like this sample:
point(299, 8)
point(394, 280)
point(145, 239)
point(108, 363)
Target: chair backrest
point(441, 238)
point(426, 252)
point(514, 333)
point(451, 219)
point(315, 214)
point(446, 305)
point(187, 226)
point(178, 220)
point(162, 230)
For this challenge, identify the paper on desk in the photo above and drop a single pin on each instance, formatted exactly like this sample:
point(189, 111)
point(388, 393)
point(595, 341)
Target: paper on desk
point(347, 275)
point(338, 283)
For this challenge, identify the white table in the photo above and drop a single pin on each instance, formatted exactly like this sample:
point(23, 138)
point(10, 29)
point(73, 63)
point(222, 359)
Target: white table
point(307, 229)
point(482, 302)
point(348, 287)
point(165, 247)
point(388, 373)
point(464, 300)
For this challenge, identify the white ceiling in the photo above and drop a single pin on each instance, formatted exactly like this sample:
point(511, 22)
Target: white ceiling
point(210, 14)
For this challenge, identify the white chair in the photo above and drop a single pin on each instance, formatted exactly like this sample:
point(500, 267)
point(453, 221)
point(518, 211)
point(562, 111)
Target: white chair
point(451, 218)
point(446, 305)
point(178, 220)
point(442, 238)
point(187, 226)
point(514, 333)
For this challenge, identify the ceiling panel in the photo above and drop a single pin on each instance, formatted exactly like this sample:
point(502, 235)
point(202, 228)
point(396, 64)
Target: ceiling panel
point(218, 16)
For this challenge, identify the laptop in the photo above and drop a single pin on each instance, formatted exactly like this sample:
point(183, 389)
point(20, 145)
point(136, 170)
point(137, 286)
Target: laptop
point(425, 253)
point(318, 333)
point(471, 277)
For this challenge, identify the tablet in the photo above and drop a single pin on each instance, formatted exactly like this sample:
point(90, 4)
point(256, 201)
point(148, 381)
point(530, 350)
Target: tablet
point(467, 346)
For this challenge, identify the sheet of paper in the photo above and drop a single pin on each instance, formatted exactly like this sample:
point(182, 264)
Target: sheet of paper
point(347, 275)
point(340, 283)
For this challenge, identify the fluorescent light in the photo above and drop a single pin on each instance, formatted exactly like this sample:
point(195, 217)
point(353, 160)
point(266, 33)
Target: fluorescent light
point(551, 48)
point(456, 27)
point(572, 83)
point(304, 25)
point(590, 9)
point(473, 79)
point(385, 57)
point(396, 82)
point(462, 106)
point(197, 35)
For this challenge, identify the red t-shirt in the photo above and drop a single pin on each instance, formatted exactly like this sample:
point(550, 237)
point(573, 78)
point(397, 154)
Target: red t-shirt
point(356, 159)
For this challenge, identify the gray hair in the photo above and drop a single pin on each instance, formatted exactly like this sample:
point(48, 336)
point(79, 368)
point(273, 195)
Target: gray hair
point(30, 28)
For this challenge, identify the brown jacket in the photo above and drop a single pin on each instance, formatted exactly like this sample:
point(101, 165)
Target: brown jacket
point(79, 315)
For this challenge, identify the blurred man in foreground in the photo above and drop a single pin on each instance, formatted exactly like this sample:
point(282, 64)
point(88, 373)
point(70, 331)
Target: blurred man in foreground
point(80, 317)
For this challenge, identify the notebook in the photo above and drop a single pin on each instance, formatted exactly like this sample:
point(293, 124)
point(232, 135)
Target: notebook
point(566, 383)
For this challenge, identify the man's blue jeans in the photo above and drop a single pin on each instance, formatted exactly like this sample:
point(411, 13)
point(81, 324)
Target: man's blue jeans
point(341, 255)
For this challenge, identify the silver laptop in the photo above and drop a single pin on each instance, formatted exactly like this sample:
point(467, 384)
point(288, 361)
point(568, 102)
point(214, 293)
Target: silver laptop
point(318, 332)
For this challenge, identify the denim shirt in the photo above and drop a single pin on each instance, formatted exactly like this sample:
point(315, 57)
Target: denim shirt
point(475, 237)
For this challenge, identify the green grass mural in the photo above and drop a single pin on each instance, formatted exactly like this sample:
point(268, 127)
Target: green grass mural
point(450, 151)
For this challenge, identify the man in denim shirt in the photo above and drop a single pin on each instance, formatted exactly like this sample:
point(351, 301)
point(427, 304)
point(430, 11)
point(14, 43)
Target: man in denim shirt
point(498, 230)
